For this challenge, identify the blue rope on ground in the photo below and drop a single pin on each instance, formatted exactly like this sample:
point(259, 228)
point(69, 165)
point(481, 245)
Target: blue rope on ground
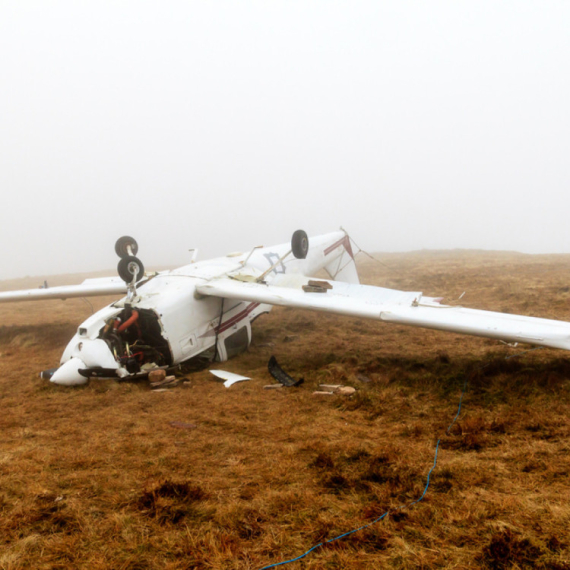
point(464, 389)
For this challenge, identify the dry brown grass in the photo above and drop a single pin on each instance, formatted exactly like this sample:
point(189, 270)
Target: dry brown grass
point(97, 477)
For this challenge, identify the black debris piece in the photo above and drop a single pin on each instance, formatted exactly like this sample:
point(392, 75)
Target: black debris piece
point(280, 375)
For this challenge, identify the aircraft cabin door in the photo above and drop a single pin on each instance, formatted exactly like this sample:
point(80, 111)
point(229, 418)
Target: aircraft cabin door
point(234, 343)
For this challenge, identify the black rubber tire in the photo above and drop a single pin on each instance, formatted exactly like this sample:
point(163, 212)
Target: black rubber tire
point(126, 268)
point(121, 246)
point(300, 244)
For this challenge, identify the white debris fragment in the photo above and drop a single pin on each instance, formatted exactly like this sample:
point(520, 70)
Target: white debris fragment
point(229, 377)
point(336, 389)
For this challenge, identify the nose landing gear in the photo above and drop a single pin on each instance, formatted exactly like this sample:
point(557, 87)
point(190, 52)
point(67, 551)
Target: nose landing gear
point(125, 246)
point(130, 268)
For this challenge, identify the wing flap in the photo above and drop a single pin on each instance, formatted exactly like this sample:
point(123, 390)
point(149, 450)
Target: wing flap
point(400, 307)
point(287, 290)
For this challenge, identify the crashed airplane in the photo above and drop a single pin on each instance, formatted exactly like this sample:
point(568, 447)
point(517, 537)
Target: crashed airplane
point(206, 308)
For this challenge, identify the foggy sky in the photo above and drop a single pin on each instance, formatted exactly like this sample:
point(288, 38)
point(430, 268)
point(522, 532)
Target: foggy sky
point(224, 125)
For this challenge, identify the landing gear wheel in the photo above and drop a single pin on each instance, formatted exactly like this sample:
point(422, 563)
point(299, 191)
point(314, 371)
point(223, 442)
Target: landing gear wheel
point(123, 244)
point(300, 244)
point(127, 268)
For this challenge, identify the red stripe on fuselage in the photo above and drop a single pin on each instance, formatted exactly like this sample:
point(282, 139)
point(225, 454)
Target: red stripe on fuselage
point(344, 241)
point(231, 322)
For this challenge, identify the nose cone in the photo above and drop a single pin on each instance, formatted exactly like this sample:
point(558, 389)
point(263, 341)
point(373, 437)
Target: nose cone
point(67, 374)
point(84, 354)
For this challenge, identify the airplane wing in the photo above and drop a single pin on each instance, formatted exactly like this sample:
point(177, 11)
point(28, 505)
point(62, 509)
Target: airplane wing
point(389, 305)
point(89, 288)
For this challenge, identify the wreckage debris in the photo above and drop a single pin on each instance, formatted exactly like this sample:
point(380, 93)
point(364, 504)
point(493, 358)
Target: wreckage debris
point(317, 286)
point(155, 376)
point(280, 375)
point(330, 387)
point(334, 390)
point(272, 386)
point(229, 377)
point(166, 382)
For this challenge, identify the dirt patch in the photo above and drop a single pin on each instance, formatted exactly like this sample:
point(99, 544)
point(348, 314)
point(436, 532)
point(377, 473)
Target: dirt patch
point(170, 501)
point(508, 550)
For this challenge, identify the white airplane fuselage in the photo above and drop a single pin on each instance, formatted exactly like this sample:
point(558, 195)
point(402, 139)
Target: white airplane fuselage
point(174, 323)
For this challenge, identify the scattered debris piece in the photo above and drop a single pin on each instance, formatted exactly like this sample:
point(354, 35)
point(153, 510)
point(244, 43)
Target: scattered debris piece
point(322, 393)
point(182, 425)
point(155, 376)
point(280, 375)
point(229, 377)
point(161, 390)
point(167, 382)
point(330, 387)
point(323, 284)
point(142, 375)
point(363, 378)
point(272, 386)
point(309, 289)
point(336, 389)
point(317, 286)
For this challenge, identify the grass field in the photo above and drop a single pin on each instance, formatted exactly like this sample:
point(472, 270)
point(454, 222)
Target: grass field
point(114, 475)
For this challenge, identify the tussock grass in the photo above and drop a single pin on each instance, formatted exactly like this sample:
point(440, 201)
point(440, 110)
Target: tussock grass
point(98, 477)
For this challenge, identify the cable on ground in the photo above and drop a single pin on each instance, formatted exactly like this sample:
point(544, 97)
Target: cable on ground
point(447, 431)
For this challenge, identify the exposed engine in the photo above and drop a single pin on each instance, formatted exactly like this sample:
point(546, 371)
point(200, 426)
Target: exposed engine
point(134, 336)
